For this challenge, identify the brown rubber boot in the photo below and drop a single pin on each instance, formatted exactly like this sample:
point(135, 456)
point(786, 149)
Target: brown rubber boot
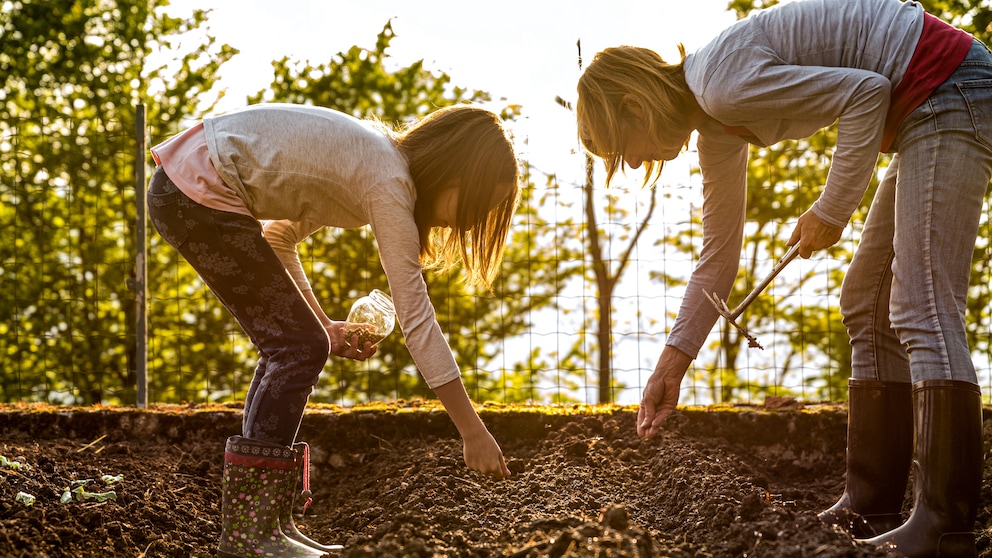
point(879, 453)
point(947, 473)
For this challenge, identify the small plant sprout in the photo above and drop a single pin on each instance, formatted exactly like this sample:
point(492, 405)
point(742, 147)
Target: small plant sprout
point(80, 493)
point(25, 498)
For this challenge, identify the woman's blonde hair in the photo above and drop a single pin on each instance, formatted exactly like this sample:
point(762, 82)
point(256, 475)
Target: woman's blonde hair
point(616, 78)
point(467, 147)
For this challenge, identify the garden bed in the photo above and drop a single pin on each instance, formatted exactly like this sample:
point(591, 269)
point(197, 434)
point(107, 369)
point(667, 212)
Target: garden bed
point(389, 480)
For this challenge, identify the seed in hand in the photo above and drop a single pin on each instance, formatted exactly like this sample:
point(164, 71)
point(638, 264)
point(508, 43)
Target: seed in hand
point(364, 332)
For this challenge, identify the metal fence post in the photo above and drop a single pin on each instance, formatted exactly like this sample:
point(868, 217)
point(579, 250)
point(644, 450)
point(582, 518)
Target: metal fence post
point(141, 260)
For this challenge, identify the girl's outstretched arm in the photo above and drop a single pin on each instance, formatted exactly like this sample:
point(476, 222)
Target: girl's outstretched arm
point(482, 452)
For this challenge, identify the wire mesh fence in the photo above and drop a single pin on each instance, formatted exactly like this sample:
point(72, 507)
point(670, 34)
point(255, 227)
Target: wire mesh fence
point(70, 263)
point(67, 260)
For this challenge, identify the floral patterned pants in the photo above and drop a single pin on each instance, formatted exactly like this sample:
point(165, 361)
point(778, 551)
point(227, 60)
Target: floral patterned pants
point(235, 261)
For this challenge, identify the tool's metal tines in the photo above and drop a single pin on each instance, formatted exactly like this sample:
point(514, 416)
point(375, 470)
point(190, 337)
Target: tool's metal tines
point(721, 307)
point(731, 316)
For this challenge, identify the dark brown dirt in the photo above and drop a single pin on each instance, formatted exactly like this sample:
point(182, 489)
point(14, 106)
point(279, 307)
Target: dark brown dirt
point(390, 481)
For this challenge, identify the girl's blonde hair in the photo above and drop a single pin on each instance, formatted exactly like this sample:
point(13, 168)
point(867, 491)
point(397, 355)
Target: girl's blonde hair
point(622, 75)
point(467, 147)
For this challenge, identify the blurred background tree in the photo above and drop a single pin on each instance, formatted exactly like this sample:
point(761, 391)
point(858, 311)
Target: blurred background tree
point(71, 75)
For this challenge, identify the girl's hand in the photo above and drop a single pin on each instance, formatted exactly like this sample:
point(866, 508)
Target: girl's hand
point(483, 454)
point(344, 347)
point(480, 449)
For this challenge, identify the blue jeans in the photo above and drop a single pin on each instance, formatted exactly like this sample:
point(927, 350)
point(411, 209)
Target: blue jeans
point(240, 267)
point(903, 298)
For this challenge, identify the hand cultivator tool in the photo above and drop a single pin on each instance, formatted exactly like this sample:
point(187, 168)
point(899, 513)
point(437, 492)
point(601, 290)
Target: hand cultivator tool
point(731, 316)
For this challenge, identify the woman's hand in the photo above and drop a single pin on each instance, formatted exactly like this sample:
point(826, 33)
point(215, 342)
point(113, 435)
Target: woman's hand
point(661, 394)
point(812, 234)
point(351, 348)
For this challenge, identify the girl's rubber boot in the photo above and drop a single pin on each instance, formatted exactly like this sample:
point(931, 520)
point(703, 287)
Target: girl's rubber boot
point(286, 514)
point(947, 473)
point(879, 454)
point(259, 480)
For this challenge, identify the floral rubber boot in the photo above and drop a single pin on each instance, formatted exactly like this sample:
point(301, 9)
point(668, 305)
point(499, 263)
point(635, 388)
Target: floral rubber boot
point(286, 515)
point(259, 480)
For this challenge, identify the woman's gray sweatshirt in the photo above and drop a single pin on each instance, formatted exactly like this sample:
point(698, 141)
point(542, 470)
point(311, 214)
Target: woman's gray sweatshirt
point(785, 73)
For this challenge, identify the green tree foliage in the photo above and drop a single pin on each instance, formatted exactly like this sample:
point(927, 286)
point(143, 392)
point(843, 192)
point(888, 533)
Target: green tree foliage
point(344, 265)
point(72, 73)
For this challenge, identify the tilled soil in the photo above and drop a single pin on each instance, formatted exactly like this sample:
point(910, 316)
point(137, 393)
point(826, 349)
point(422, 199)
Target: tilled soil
point(390, 481)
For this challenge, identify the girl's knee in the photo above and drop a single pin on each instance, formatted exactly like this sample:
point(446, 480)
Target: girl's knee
point(320, 349)
point(304, 354)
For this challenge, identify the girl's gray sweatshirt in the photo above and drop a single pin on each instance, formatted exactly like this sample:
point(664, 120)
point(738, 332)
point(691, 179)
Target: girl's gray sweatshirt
point(304, 168)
